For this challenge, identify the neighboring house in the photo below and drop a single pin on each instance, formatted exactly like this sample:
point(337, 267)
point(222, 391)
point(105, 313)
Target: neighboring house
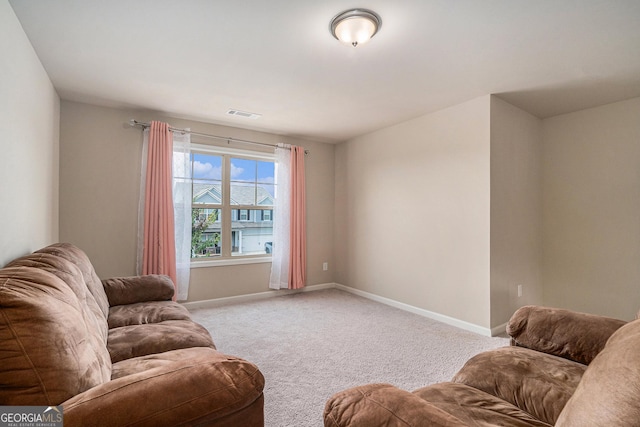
point(251, 229)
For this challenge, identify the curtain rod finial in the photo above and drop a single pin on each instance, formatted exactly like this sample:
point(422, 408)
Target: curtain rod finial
point(132, 122)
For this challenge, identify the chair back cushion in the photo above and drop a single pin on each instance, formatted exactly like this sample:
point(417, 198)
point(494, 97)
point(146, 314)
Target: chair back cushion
point(53, 332)
point(72, 276)
point(81, 260)
point(608, 392)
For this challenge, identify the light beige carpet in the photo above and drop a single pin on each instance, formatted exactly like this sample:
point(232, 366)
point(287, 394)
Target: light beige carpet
point(311, 345)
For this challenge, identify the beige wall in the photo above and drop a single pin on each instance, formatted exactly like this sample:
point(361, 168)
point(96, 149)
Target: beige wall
point(99, 185)
point(516, 210)
point(423, 219)
point(29, 119)
point(591, 210)
point(412, 212)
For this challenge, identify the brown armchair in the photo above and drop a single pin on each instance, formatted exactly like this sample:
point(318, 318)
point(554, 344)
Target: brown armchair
point(563, 368)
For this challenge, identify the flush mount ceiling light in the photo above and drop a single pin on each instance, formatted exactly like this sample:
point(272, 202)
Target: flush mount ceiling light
point(355, 26)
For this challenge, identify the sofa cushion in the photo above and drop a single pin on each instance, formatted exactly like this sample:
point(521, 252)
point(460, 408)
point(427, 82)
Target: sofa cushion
point(384, 405)
point(146, 312)
point(134, 289)
point(608, 392)
point(189, 387)
point(475, 407)
point(538, 383)
point(152, 361)
point(49, 349)
point(140, 340)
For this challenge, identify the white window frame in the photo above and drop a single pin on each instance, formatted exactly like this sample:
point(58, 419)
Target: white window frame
point(225, 209)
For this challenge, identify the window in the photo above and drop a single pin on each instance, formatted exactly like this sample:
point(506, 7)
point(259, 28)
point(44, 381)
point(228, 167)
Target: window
point(233, 202)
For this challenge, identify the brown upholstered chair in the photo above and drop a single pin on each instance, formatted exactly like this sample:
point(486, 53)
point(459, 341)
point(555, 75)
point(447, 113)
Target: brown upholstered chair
point(563, 368)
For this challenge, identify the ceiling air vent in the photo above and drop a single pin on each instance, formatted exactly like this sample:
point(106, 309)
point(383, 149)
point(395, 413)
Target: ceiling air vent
point(244, 114)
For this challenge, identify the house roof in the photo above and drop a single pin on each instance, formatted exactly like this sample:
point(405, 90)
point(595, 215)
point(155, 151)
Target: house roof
point(242, 194)
point(198, 59)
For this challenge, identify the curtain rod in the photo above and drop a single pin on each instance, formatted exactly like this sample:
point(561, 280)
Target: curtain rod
point(143, 125)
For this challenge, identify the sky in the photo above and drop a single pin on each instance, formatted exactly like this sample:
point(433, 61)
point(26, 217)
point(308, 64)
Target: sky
point(206, 166)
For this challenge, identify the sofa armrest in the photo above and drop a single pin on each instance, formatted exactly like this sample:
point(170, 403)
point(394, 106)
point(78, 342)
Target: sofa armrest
point(202, 390)
point(133, 289)
point(383, 405)
point(564, 333)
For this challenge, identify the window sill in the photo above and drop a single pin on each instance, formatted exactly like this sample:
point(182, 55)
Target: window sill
point(229, 261)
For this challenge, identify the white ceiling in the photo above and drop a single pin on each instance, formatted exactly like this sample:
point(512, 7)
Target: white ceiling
point(196, 59)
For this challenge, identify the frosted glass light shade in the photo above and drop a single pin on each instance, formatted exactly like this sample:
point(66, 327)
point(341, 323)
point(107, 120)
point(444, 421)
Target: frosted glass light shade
point(355, 26)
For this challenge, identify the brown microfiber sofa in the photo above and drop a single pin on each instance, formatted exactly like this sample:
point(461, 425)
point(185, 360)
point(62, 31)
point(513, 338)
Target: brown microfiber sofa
point(116, 352)
point(563, 368)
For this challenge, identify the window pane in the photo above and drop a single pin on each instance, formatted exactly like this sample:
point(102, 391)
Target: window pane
point(243, 170)
point(252, 182)
point(265, 194)
point(207, 192)
point(205, 233)
point(250, 194)
point(243, 193)
point(266, 172)
point(253, 236)
point(207, 179)
point(206, 167)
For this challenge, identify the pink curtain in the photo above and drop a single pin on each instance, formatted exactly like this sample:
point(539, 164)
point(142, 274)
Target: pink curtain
point(159, 249)
point(298, 227)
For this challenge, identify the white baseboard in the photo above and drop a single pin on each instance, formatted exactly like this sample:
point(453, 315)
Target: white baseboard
point(218, 302)
point(420, 311)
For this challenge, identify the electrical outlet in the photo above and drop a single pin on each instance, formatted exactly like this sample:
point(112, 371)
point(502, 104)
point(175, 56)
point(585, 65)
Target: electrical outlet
point(519, 290)
point(325, 266)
